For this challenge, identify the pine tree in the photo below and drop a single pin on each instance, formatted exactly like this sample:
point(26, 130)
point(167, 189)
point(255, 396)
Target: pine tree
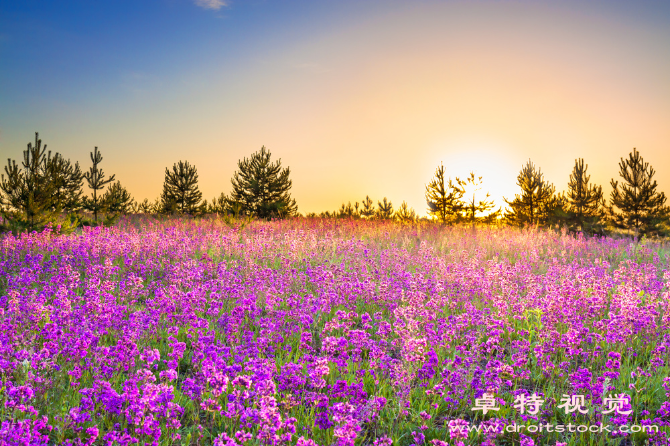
point(262, 188)
point(117, 200)
point(641, 206)
point(368, 208)
point(29, 191)
point(144, 207)
point(384, 210)
point(223, 205)
point(180, 189)
point(537, 204)
point(68, 180)
point(138, 206)
point(156, 206)
point(584, 201)
point(349, 211)
point(405, 214)
point(444, 199)
point(472, 207)
point(95, 178)
point(219, 205)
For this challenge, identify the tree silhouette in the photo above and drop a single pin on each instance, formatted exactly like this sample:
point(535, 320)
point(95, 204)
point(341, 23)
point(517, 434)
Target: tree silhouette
point(584, 201)
point(368, 208)
point(444, 199)
point(117, 199)
point(641, 207)
point(219, 205)
point(143, 207)
point(29, 191)
point(471, 185)
point(537, 203)
point(349, 211)
point(180, 189)
point(405, 214)
point(262, 188)
point(95, 178)
point(68, 180)
point(384, 210)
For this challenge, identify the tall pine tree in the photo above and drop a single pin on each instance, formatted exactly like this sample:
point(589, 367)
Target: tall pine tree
point(262, 187)
point(537, 203)
point(180, 189)
point(384, 210)
point(117, 200)
point(68, 180)
point(585, 205)
point(444, 198)
point(29, 189)
point(636, 205)
point(96, 180)
point(368, 208)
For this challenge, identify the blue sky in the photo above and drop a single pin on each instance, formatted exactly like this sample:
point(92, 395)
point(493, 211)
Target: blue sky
point(70, 51)
point(359, 98)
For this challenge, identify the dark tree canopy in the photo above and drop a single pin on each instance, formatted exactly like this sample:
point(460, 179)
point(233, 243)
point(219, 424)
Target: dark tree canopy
point(368, 208)
point(584, 203)
point(384, 210)
point(636, 204)
point(68, 182)
point(29, 190)
point(349, 211)
point(537, 203)
point(180, 189)
point(146, 207)
point(219, 205)
point(96, 180)
point(117, 200)
point(405, 214)
point(444, 198)
point(261, 187)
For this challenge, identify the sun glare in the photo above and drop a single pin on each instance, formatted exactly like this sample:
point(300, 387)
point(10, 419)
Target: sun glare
point(491, 164)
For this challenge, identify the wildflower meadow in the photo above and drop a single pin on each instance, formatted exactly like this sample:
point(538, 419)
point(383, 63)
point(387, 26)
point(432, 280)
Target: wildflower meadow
point(331, 332)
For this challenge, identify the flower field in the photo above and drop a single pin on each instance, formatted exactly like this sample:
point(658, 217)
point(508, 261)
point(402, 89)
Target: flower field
point(322, 332)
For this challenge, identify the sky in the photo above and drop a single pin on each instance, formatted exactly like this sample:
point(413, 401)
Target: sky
point(357, 97)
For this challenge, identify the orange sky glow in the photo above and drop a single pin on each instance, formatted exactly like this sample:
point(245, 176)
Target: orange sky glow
point(374, 100)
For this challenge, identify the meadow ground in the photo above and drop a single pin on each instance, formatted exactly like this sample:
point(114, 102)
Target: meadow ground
point(332, 332)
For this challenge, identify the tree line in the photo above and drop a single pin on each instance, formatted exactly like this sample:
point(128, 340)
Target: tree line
point(635, 205)
point(49, 189)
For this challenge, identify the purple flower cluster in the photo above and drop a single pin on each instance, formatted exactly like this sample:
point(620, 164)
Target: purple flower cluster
point(314, 332)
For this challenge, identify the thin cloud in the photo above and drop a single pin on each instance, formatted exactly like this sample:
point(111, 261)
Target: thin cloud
point(211, 4)
point(311, 67)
